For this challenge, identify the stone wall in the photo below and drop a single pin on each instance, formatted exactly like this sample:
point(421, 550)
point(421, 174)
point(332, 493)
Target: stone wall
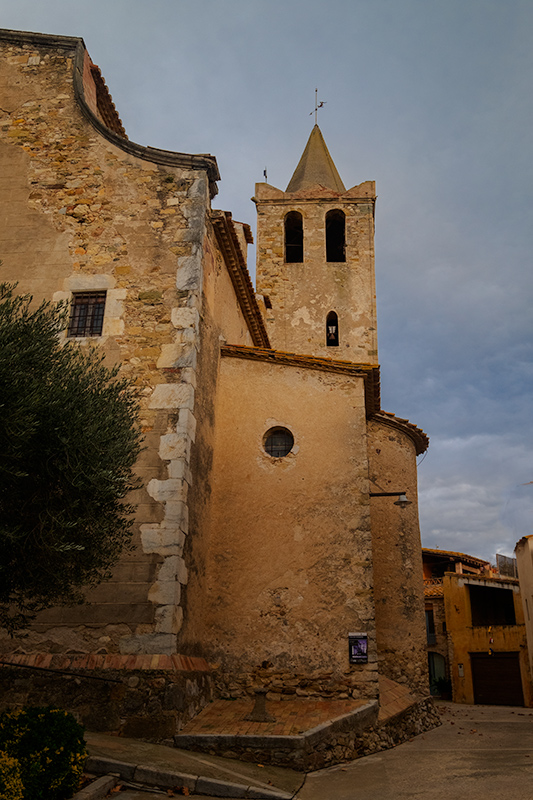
point(84, 209)
point(436, 604)
point(147, 697)
point(303, 294)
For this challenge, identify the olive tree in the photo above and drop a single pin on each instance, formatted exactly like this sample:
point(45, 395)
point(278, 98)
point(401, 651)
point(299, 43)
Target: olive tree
point(68, 444)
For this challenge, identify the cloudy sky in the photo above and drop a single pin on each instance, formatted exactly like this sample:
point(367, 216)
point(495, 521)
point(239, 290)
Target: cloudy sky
point(433, 101)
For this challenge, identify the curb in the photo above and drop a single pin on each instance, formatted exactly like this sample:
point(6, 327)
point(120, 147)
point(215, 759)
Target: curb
point(167, 779)
point(98, 789)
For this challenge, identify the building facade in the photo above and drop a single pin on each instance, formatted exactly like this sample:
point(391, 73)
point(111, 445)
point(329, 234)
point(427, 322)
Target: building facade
point(267, 539)
point(476, 634)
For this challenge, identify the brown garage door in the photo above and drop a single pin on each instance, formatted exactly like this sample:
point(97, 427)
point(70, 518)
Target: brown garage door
point(497, 679)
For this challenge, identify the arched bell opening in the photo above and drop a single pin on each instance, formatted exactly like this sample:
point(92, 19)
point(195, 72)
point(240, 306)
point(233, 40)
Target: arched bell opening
point(332, 330)
point(335, 235)
point(294, 238)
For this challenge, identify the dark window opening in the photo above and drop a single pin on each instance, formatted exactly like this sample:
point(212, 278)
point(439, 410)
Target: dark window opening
point(87, 314)
point(268, 301)
point(335, 235)
point(431, 635)
point(278, 442)
point(294, 238)
point(332, 330)
point(491, 606)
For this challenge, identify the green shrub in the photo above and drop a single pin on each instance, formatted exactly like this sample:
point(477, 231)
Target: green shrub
point(49, 746)
point(11, 787)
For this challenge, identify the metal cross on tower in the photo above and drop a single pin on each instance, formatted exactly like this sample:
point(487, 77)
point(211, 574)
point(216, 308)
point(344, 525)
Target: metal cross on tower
point(317, 106)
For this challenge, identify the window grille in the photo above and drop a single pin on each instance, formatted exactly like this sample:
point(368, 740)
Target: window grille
point(87, 314)
point(278, 442)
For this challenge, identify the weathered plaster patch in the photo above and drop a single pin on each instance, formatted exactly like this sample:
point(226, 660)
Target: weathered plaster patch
point(301, 315)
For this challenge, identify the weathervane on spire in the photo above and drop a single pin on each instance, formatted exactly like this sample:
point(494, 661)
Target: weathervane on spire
point(317, 106)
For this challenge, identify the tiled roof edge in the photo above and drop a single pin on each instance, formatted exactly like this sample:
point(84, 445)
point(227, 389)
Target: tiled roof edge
point(168, 158)
point(420, 439)
point(236, 264)
point(97, 661)
point(368, 372)
point(459, 556)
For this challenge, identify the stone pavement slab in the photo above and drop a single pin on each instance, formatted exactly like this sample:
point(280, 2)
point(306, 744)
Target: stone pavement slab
point(140, 761)
point(479, 753)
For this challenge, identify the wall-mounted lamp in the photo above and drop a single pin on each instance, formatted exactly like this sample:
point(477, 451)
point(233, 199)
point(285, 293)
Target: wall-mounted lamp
point(402, 500)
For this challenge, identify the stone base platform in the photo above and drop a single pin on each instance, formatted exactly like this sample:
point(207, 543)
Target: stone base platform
point(310, 734)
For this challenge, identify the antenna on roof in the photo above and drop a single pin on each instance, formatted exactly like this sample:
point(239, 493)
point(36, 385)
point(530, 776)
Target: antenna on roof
point(317, 106)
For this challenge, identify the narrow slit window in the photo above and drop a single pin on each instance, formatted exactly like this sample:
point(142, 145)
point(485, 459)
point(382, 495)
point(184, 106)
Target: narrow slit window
point(332, 330)
point(294, 238)
point(87, 314)
point(335, 235)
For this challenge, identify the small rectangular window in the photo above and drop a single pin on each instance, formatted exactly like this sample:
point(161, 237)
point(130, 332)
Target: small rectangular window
point(87, 314)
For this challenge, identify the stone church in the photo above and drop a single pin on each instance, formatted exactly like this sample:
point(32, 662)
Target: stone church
point(271, 538)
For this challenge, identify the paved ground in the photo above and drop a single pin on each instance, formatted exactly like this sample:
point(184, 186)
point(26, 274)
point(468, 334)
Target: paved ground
point(479, 753)
point(135, 751)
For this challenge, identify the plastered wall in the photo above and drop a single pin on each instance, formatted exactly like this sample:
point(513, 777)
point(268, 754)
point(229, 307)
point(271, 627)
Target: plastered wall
point(398, 584)
point(289, 567)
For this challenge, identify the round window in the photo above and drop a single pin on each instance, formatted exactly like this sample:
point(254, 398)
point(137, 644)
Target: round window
point(278, 442)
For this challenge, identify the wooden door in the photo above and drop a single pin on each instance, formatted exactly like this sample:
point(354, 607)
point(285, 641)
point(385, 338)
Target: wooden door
point(496, 678)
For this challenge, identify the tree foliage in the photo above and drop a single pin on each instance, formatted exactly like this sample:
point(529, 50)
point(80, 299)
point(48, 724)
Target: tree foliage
point(68, 444)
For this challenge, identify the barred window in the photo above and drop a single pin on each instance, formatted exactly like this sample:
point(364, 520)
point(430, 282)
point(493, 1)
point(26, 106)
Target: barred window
point(86, 314)
point(278, 442)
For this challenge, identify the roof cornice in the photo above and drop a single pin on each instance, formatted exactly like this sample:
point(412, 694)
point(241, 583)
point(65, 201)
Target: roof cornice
point(235, 261)
point(166, 158)
point(451, 555)
point(420, 439)
point(368, 372)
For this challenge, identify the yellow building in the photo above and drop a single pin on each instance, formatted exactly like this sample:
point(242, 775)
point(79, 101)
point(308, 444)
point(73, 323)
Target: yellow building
point(268, 537)
point(475, 629)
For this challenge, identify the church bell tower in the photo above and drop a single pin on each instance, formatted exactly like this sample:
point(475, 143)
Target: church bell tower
point(315, 261)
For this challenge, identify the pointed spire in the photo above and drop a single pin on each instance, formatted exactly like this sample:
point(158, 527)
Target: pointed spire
point(316, 167)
